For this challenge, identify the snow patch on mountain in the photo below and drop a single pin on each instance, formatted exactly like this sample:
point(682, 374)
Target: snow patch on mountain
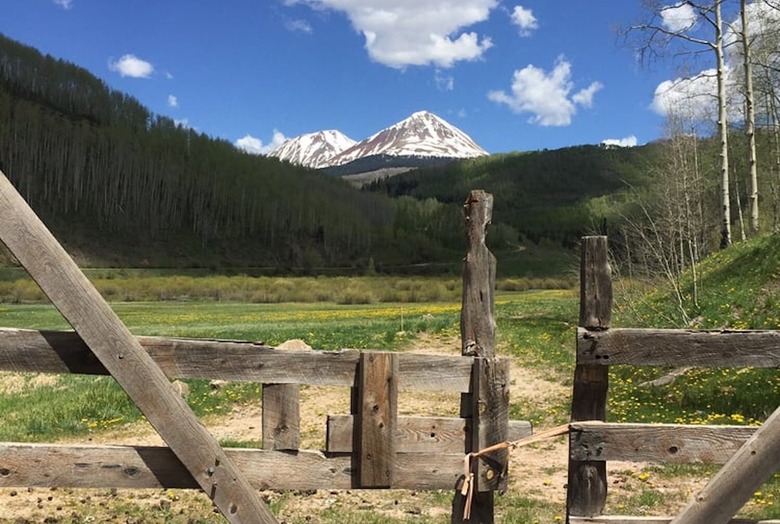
point(315, 150)
point(421, 135)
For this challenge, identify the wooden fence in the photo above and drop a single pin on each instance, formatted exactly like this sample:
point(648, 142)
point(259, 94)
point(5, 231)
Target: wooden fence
point(394, 451)
point(750, 455)
point(372, 447)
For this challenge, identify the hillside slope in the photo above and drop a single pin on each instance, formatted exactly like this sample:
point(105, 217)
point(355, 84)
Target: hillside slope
point(551, 195)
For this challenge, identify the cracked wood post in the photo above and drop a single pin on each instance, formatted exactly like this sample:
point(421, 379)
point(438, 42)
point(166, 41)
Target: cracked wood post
point(376, 419)
point(118, 350)
point(587, 485)
point(477, 329)
point(744, 473)
point(281, 417)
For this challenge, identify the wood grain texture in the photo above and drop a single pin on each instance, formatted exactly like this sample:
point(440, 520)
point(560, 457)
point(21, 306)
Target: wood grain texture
point(417, 434)
point(477, 316)
point(44, 465)
point(281, 417)
point(65, 352)
point(741, 476)
point(587, 482)
point(477, 333)
point(674, 443)
point(76, 298)
point(491, 400)
point(376, 419)
point(679, 347)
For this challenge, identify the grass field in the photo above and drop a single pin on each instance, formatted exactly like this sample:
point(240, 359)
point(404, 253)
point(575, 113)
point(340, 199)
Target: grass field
point(535, 328)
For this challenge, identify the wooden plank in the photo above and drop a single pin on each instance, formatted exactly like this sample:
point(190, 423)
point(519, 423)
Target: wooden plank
point(744, 473)
point(674, 443)
point(376, 418)
point(417, 434)
point(677, 347)
point(620, 519)
point(65, 352)
point(44, 465)
point(491, 400)
point(587, 492)
point(281, 417)
point(27, 238)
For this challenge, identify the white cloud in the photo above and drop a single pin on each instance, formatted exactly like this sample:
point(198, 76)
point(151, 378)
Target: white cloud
point(65, 4)
point(679, 17)
point(694, 98)
point(183, 122)
point(444, 82)
point(584, 97)
point(525, 20)
point(299, 25)
point(546, 95)
point(629, 141)
point(255, 146)
point(173, 101)
point(132, 66)
point(413, 32)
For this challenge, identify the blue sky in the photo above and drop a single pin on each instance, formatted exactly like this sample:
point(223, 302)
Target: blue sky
point(515, 76)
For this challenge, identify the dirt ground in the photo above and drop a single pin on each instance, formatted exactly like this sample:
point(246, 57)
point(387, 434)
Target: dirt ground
point(536, 472)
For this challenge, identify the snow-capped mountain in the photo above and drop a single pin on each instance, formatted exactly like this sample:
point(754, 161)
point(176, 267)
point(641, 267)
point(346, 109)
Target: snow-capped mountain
point(420, 140)
point(314, 149)
point(421, 135)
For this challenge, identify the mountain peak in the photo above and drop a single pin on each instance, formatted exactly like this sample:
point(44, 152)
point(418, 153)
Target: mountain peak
point(421, 135)
point(314, 149)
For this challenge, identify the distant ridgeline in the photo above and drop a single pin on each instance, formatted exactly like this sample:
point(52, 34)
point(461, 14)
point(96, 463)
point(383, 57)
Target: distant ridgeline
point(375, 162)
point(121, 185)
point(555, 196)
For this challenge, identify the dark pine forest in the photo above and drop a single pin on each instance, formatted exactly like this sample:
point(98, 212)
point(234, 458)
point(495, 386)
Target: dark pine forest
point(120, 185)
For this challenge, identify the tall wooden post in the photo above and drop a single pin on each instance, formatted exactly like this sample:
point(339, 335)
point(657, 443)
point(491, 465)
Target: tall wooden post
point(587, 491)
point(121, 354)
point(487, 403)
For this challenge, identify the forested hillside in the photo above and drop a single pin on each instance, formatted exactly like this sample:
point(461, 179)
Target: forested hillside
point(83, 154)
point(120, 185)
point(542, 195)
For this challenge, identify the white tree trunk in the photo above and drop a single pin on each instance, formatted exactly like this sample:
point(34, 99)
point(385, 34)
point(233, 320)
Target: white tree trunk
point(750, 119)
point(723, 130)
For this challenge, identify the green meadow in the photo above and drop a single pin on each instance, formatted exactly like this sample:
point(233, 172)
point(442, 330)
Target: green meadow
point(535, 327)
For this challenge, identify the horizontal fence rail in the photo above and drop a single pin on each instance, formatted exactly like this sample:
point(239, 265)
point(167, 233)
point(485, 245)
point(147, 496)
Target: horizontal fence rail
point(677, 443)
point(64, 352)
point(45, 465)
point(675, 347)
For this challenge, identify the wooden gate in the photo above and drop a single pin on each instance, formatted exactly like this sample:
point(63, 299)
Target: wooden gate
point(370, 448)
point(750, 456)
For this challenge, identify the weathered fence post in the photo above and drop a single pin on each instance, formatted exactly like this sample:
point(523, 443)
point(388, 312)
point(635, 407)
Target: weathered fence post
point(121, 354)
point(487, 403)
point(376, 418)
point(587, 486)
point(281, 417)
